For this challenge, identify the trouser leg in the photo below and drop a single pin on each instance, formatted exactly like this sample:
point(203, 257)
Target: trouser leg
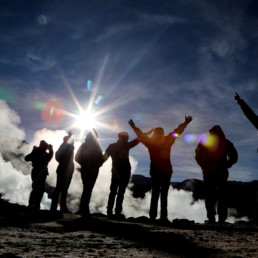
point(210, 198)
point(120, 195)
point(222, 200)
point(164, 197)
point(88, 184)
point(32, 198)
point(56, 194)
point(64, 192)
point(154, 198)
point(112, 196)
point(39, 191)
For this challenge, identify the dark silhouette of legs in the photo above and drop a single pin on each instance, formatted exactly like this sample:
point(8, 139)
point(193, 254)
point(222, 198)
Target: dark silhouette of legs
point(210, 198)
point(120, 195)
point(216, 190)
point(38, 189)
point(62, 185)
point(164, 199)
point(112, 196)
point(57, 191)
point(160, 187)
point(117, 191)
point(154, 199)
point(222, 200)
point(88, 180)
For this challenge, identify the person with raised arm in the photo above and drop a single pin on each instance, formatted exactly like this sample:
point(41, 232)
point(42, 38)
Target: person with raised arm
point(159, 146)
point(121, 171)
point(253, 118)
point(64, 156)
point(249, 113)
point(40, 157)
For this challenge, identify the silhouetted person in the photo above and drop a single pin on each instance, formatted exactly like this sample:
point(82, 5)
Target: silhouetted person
point(253, 118)
point(159, 147)
point(121, 171)
point(64, 156)
point(90, 157)
point(215, 155)
point(249, 113)
point(40, 159)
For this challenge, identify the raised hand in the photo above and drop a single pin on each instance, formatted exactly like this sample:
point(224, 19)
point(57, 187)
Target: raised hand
point(131, 123)
point(237, 97)
point(188, 119)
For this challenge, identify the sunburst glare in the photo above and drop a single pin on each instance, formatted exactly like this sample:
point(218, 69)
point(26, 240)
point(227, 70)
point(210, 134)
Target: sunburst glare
point(86, 120)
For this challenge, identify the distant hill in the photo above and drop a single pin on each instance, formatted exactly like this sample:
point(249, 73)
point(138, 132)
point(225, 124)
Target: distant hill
point(241, 195)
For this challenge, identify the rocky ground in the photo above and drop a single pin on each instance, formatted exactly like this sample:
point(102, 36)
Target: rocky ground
point(46, 234)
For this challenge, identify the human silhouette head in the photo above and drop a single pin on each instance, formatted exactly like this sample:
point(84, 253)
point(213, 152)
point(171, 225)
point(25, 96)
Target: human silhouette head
point(43, 145)
point(91, 136)
point(216, 130)
point(158, 132)
point(124, 136)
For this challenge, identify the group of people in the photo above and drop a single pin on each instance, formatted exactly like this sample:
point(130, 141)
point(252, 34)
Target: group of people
point(214, 160)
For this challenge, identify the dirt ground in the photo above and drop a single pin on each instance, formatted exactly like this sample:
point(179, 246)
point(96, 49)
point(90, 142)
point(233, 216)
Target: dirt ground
point(45, 234)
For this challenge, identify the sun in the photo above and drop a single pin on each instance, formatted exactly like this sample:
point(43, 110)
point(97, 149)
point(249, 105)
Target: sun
point(86, 120)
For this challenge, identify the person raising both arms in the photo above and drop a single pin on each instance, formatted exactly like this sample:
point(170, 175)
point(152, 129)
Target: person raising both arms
point(159, 146)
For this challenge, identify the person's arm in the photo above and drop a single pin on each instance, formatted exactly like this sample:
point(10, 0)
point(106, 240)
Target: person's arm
point(142, 137)
point(78, 155)
point(60, 153)
point(51, 152)
point(133, 143)
point(106, 154)
point(249, 113)
point(232, 155)
point(30, 156)
point(137, 130)
point(180, 129)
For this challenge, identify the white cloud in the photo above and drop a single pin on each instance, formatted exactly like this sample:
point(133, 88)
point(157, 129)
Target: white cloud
point(10, 121)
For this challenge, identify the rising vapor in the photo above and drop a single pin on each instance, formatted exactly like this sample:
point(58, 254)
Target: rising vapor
point(15, 183)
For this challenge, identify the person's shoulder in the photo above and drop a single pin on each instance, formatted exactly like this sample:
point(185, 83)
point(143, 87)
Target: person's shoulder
point(111, 146)
point(229, 143)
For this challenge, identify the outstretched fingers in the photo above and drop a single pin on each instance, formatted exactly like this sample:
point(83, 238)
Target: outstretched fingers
point(188, 119)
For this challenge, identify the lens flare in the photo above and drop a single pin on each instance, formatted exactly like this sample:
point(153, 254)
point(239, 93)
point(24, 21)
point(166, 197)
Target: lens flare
point(175, 134)
point(7, 95)
point(89, 85)
point(209, 140)
point(86, 120)
point(98, 99)
point(42, 19)
point(191, 138)
point(40, 105)
point(53, 112)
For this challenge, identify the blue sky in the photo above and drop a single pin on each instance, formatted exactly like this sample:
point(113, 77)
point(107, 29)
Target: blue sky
point(153, 61)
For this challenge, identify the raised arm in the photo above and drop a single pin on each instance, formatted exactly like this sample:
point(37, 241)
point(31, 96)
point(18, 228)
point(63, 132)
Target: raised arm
point(180, 129)
point(133, 143)
point(249, 113)
point(142, 137)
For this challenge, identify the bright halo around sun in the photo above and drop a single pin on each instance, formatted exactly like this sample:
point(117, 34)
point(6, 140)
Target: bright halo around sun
point(85, 121)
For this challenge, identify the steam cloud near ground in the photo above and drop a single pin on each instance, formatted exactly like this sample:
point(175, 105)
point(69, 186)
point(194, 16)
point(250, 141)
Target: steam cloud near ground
point(15, 183)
